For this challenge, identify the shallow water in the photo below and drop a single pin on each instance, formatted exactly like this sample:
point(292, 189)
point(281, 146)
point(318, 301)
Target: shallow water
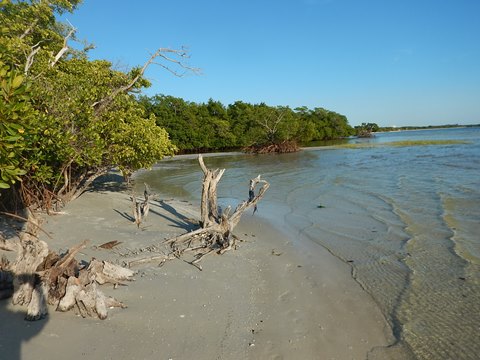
point(407, 219)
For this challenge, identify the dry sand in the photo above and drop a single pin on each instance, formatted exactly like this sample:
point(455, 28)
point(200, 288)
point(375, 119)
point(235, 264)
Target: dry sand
point(272, 298)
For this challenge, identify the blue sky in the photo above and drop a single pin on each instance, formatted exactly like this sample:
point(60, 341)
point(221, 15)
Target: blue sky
point(392, 62)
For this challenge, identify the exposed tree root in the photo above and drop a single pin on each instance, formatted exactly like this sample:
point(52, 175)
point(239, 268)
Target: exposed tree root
point(280, 148)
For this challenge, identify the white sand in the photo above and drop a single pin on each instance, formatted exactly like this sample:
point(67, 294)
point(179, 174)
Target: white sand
point(270, 299)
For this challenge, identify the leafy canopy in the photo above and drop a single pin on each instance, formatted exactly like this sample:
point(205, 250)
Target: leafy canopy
point(214, 126)
point(55, 138)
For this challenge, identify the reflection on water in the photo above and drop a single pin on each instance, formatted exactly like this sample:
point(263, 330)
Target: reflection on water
point(406, 219)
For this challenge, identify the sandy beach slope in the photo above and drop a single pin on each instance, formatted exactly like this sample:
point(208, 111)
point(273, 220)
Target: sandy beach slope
point(270, 299)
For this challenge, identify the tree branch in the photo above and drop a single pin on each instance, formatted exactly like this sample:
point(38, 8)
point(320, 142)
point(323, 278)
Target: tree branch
point(271, 130)
point(160, 53)
point(29, 29)
point(35, 49)
point(65, 47)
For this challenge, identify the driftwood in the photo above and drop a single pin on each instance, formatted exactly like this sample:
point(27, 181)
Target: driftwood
point(215, 234)
point(38, 278)
point(141, 209)
point(161, 258)
point(82, 291)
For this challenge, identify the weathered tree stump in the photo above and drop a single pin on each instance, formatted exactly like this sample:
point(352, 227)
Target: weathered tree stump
point(216, 232)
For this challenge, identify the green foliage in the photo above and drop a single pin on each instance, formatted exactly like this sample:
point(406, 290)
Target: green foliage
point(26, 25)
point(16, 115)
point(366, 129)
point(213, 126)
point(322, 124)
point(54, 136)
point(66, 119)
point(191, 126)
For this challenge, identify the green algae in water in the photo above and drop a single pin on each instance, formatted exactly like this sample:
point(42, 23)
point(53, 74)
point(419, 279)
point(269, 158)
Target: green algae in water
point(402, 143)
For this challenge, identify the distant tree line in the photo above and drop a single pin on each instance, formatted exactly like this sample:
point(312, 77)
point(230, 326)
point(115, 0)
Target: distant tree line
point(447, 126)
point(366, 129)
point(215, 126)
point(65, 120)
point(369, 129)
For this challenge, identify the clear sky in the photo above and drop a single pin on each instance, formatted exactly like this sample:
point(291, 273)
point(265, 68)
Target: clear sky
point(392, 62)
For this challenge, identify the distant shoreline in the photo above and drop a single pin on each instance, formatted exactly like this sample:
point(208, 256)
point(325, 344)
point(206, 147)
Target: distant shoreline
point(415, 128)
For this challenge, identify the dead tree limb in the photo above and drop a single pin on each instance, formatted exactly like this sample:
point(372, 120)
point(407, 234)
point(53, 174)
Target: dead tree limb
point(31, 254)
point(209, 206)
point(29, 29)
point(216, 232)
point(271, 123)
point(162, 53)
point(29, 62)
point(252, 199)
point(161, 258)
point(65, 47)
point(7, 245)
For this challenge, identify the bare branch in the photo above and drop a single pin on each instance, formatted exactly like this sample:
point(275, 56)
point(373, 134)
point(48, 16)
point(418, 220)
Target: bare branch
point(252, 199)
point(216, 234)
point(70, 256)
point(29, 29)
point(267, 123)
point(209, 207)
point(162, 258)
point(29, 221)
point(160, 53)
point(65, 47)
point(202, 164)
point(35, 49)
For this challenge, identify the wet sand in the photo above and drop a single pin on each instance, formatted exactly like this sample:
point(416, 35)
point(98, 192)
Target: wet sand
point(272, 298)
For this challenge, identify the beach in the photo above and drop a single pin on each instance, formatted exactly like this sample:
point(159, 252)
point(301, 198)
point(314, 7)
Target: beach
point(271, 298)
point(405, 219)
point(353, 254)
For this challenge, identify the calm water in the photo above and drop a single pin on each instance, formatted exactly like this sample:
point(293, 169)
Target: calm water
point(407, 219)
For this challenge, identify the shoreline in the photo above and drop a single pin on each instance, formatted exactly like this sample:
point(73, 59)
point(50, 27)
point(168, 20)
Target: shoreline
point(271, 299)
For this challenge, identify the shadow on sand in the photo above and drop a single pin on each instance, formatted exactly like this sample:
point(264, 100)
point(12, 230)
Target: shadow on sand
point(164, 211)
point(178, 220)
point(109, 182)
point(14, 329)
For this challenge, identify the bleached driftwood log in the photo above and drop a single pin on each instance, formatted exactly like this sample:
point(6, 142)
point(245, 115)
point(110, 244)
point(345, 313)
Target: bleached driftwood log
point(31, 253)
point(83, 292)
point(38, 278)
point(216, 232)
point(209, 206)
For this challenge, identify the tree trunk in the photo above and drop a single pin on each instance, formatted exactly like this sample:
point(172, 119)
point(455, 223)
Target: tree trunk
point(209, 206)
